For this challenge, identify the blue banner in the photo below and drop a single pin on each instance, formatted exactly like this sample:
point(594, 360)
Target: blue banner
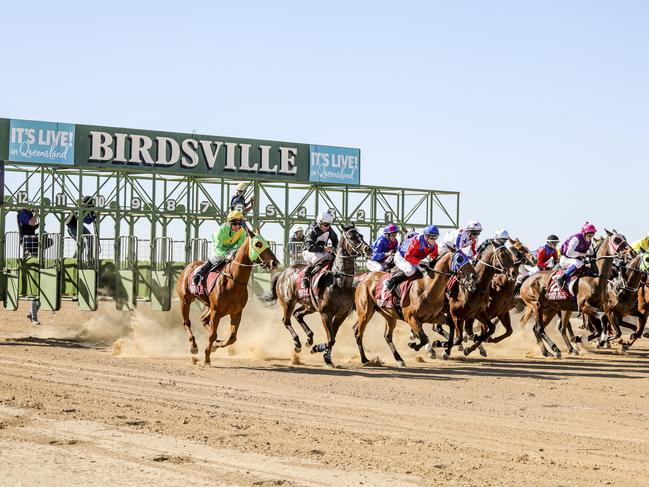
point(340, 165)
point(44, 142)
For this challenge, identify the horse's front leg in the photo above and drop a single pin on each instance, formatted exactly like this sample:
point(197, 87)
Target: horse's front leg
point(418, 331)
point(214, 324)
point(486, 333)
point(234, 327)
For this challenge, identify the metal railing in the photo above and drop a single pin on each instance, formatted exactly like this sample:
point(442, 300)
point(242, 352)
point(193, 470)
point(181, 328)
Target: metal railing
point(198, 249)
point(162, 253)
point(128, 246)
point(50, 251)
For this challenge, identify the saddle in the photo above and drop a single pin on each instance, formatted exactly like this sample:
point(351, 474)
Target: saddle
point(554, 292)
point(207, 283)
point(313, 281)
point(396, 298)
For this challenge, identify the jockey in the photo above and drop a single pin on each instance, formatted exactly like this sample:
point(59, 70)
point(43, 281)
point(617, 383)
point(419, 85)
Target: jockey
point(225, 242)
point(383, 250)
point(449, 241)
point(467, 239)
point(411, 252)
point(316, 250)
point(544, 256)
point(574, 250)
point(641, 245)
point(498, 240)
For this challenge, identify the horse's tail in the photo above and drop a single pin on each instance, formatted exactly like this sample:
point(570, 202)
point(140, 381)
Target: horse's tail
point(526, 316)
point(271, 296)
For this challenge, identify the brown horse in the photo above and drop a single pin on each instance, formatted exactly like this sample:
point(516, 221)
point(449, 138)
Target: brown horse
point(591, 294)
point(501, 295)
point(464, 304)
point(229, 295)
point(626, 296)
point(423, 304)
point(335, 294)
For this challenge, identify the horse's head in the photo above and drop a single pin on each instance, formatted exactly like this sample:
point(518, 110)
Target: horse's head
point(353, 242)
point(618, 246)
point(501, 260)
point(260, 253)
point(521, 253)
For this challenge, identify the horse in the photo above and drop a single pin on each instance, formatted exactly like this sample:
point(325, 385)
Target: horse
point(423, 304)
point(464, 304)
point(335, 295)
point(590, 298)
point(501, 295)
point(229, 294)
point(626, 296)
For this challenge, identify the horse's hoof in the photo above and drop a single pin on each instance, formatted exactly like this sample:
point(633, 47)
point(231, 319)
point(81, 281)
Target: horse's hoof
point(545, 353)
point(412, 336)
point(557, 354)
point(573, 351)
point(432, 354)
point(401, 363)
point(412, 345)
point(576, 339)
point(445, 355)
point(607, 345)
point(645, 334)
point(207, 363)
point(460, 347)
point(482, 351)
point(297, 349)
point(466, 352)
point(330, 365)
point(193, 350)
point(309, 340)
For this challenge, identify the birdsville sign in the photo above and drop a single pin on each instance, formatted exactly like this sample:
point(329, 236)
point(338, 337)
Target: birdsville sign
point(175, 153)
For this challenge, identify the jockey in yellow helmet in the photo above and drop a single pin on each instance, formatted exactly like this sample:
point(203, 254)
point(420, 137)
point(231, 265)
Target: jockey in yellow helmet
point(225, 242)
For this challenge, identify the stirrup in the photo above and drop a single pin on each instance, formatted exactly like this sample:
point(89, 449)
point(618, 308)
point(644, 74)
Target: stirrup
point(306, 283)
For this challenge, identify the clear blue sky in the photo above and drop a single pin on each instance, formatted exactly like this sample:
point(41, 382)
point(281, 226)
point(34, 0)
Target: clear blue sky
point(538, 112)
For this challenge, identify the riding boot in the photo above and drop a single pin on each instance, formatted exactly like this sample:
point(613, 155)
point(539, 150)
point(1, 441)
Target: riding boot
point(306, 277)
point(565, 277)
point(517, 288)
point(198, 277)
point(390, 284)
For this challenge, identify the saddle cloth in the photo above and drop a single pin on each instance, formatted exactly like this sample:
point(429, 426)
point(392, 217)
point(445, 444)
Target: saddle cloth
point(315, 279)
point(395, 297)
point(554, 292)
point(451, 283)
point(206, 285)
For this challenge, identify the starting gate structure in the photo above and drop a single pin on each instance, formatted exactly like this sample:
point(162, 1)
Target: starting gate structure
point(153, 217)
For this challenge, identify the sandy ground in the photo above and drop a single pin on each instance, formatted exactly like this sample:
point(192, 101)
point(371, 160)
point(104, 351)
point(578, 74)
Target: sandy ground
point(112, 398)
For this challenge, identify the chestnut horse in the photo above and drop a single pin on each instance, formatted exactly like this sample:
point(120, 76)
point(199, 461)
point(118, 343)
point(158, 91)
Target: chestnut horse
point(229, 295)
point(591, 294)
point(335, 293)
point(464, 304)
point(423, 304)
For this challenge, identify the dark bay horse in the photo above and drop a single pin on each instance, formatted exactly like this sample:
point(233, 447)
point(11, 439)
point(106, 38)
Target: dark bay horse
point(591, 294)
point(335, 293)
point(501, 295)
point(229, 295)
point(465, 304)
point(423, 304)
point(624, 295)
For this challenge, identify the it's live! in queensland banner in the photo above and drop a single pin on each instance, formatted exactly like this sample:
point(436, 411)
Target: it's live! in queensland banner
point(335, 165)
point(33, 141)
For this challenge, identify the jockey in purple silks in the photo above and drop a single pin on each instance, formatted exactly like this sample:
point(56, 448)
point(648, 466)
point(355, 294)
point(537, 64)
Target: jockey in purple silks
point(383, 250)
point(573, 251)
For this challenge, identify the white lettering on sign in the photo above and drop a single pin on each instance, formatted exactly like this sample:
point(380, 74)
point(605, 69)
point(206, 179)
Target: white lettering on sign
point(187, 153)
point(337, 166)
point(50, 144)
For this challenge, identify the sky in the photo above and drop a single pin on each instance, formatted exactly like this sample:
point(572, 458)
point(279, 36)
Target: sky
point(537, 112)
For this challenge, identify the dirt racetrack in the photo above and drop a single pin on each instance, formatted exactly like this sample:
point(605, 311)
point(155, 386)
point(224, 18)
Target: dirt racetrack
point(107, 398)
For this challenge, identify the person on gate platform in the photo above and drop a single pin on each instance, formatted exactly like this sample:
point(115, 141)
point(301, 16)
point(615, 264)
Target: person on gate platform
point(225, 242)
point(383, 250)
point(574, 250)
point(238, 201)
point(295, 244)
point(28, 224)
point(410, 253)
point(320, 243)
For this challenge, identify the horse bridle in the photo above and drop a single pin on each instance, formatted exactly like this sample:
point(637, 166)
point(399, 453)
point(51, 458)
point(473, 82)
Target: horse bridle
point(500, 270)
point(356, 249)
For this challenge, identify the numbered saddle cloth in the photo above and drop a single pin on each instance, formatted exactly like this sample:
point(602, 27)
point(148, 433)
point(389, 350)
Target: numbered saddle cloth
point(397, 297)
point(314, 280)
point(205, 285)
point(554, 292)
